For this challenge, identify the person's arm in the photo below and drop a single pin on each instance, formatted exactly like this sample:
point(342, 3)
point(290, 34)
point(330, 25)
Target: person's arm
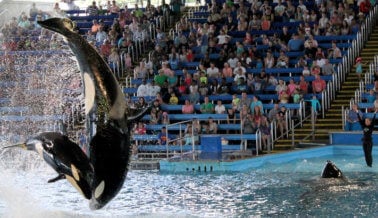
point(360, 119)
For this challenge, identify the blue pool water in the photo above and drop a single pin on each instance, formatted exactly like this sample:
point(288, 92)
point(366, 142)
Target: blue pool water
point(291, 188)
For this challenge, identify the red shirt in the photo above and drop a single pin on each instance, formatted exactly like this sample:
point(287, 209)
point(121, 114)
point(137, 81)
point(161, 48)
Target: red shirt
point(318, 85)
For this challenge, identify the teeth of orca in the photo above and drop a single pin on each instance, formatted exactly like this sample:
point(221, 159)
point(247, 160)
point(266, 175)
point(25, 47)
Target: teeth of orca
point(90, 92)
point(75, 172)
point(100, 189)
point(74, 184)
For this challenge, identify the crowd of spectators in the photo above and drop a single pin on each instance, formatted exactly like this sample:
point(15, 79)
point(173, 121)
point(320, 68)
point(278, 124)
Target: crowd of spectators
point(227, 74)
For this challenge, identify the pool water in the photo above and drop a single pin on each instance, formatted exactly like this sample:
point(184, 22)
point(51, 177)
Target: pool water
point(286, 189)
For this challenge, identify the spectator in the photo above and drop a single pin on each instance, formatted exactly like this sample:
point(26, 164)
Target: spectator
point(291, 87)
point(211, 127)
point(256, 102)
point(114, 8)
point(160, 78)
point(249, 126)
point(114, 59)
point(372, 98)
point(154, 117)
point(352, 123)
point(105, 49)
point(281, 86)
point(142, 90)
point(358, 67)
point(315, 70)
point(154, 90)
point(220, 108)
point(231, 117)
point(269, 60)
point(213, 71)
point(141, 103)
point(264, 127)
point(306, 71)
point(191, 135)
point(173, 100)
point(101, 35)
point(315, 105)
point(327, 68)
point(365, 6)
point(92, 10)
point(295, 44)
point(244, 100)
point(24, 23)
point(164, 137)
point(284, 97)
point(140, 128)
point(282, 60)
point(207, 107)
point(311, 46)
point(303, 85)
point(227, 71)
point(165, 118)
point(187, 108)
point(318, 85)
point(334, 52)
point(33, 11)
point(281, 120)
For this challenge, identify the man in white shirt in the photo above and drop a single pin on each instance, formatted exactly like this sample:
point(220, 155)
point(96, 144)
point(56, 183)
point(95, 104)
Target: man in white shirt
point(212, 71)
point(222, 37)
point(238, 67)
point(154, 90)
point(142, 90)
point(232, 61)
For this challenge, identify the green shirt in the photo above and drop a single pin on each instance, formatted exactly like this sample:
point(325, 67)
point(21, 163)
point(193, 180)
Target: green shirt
point(160, 79)
point(207, 108)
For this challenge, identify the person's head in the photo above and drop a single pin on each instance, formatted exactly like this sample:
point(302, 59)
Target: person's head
point(367, 121)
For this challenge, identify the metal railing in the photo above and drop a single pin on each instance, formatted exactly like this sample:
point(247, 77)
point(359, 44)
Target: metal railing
point(178, 141)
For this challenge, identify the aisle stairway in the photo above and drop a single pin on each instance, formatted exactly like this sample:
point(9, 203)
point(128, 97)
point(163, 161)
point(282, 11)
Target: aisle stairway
point(333, 120)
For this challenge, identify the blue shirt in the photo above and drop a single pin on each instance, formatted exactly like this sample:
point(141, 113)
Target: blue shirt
point(295, 44)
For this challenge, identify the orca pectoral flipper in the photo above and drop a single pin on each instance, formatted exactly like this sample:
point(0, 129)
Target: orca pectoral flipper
point(59, 177)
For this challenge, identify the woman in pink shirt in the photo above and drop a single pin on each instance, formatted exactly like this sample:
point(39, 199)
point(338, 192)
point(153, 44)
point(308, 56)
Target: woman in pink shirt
point(187, 108)
point(291, 87)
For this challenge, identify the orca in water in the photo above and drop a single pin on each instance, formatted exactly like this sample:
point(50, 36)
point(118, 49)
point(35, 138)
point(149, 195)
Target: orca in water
point(330, 170)
point(110, 150)
point(65, 157)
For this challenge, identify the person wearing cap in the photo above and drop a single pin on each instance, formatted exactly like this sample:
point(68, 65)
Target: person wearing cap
point(358, 67)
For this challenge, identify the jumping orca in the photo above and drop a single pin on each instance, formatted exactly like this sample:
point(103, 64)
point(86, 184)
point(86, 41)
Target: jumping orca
point(110, 148)
point(330, 170)
point(65, 157)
